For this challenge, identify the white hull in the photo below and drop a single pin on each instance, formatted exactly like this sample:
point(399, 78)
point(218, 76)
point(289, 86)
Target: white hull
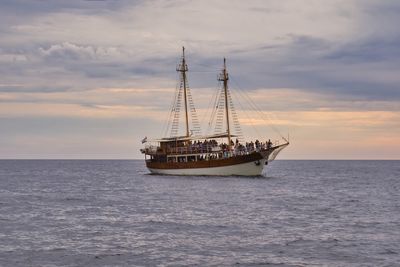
point(243, 169)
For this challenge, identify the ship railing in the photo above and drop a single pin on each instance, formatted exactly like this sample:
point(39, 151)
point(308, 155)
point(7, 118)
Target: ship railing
point(235, 151)
point(245, 151)
point(196, 149)
point(193, 150)
point(212, 149)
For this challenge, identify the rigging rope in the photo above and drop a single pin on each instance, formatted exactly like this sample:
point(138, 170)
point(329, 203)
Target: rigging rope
point(212, 102)
point(214, 109)
point(167, 124)
point(261, 113)
point(247, 115)
point(217, 110)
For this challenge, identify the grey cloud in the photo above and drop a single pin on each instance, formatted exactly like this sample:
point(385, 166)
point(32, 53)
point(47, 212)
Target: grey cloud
point(72, 51)
point(381, 8)
point(40, 7)
point(32, 89)
point(350, 69)
point(371, 50)
point(302, 61)
point(69, 51)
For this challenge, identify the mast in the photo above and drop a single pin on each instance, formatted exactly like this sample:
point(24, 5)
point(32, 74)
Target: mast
point(182, 68)
point(224, 77)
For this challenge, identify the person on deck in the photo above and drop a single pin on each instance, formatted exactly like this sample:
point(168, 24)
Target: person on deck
point(269, 144)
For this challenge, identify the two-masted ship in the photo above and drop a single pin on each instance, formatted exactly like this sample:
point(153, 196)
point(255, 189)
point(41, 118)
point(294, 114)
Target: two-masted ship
point(221, 153)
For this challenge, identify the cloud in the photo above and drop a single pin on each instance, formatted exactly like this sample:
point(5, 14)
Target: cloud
point(316, 48)
point(70, 51)
point(37, 7)
point(319, 62)
point(12, 58)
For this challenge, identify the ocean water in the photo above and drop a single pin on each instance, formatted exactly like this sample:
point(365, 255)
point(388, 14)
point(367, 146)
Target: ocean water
point(113, 213)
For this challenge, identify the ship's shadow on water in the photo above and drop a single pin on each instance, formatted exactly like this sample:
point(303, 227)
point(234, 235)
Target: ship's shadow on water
point(221, 177)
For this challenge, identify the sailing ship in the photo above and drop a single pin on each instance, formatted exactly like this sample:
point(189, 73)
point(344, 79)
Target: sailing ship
point(222, 153)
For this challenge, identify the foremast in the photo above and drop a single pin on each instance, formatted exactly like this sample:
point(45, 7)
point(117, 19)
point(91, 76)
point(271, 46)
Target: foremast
point(183, 68)
point(223, 77)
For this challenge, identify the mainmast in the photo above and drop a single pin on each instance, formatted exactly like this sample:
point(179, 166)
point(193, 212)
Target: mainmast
point(182, 68)
point(224, 78)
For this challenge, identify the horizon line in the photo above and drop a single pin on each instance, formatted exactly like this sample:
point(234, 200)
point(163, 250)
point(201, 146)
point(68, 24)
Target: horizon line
point(126, 159)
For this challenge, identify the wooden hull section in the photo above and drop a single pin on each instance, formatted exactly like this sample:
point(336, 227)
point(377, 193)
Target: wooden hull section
point(244, 165)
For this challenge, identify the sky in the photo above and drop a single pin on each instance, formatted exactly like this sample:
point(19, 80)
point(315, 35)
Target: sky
point(90, 79)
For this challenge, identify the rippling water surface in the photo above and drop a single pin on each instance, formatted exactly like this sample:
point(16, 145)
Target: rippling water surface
point(112, 213)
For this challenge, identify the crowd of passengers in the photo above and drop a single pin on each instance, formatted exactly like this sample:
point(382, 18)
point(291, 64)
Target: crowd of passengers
point(237, 147)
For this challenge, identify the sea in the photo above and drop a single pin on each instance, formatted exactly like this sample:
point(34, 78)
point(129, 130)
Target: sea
point(114, 213)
